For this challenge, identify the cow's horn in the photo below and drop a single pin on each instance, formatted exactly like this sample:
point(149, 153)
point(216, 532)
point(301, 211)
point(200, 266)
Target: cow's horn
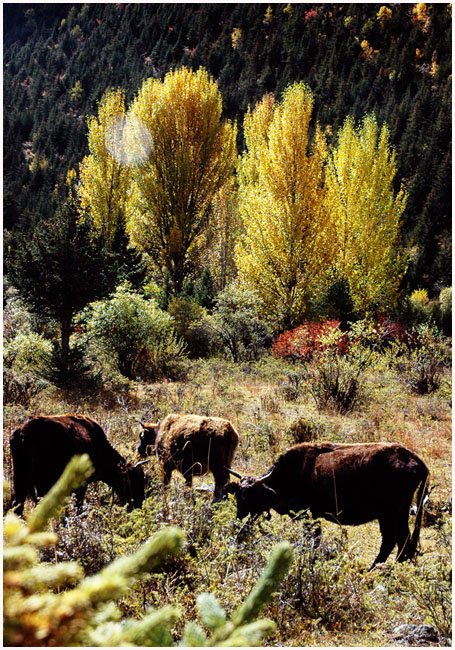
point(141, 462)
point(236, 474)
point(262, 479)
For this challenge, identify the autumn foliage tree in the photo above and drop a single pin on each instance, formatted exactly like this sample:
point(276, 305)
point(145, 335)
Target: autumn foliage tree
point(104, 177)
point(223, 234)
point(116, 143)
point(286, 243)
point(192, 156)
point(366, 214)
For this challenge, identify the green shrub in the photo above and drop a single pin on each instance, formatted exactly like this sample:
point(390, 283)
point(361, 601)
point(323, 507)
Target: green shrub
point(135, 332)
point(21, 388)
point(237, 323)
point(27, 352)
point(422, 364)
point(26, 359)
point(304, 429)
point(445, 300)
point(335, 380)
point(292, 388)
point(337, 303)
point(443, 313)
point(190, 323)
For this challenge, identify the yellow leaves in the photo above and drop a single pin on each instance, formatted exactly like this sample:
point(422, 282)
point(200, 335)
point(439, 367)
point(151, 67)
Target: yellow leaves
point(384, 14)
point(420, 297)
point(71, 176)
point(284, 248)
point(268, 16)
point(367, 50)
point(236, 37)
point(38, 162)
point(104, 181)
point(366, 214)
point(420, 12)
point(192, 155)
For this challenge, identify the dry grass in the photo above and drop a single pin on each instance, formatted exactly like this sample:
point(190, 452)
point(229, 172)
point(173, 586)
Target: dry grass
point(341, 604)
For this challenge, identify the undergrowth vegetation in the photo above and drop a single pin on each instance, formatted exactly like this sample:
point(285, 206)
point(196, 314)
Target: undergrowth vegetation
point(327, 598)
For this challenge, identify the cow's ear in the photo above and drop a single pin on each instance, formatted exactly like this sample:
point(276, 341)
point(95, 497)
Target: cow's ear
point(231, 488)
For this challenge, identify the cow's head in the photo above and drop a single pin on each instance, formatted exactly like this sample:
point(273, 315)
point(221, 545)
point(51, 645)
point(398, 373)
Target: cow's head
point(253, 495)
point(133, 485)
point(147, 438)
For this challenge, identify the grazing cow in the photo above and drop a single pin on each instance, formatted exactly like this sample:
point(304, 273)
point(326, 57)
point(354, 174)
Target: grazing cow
point(345, 483)
point(42, 447)
point(192, 445)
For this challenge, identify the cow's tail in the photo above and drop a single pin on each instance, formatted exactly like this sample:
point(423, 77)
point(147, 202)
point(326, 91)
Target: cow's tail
point(20, 470)
point(422, 492)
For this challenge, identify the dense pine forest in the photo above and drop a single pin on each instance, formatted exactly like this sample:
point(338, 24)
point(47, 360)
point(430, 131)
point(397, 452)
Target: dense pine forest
point(60, 59)
point(237, 216)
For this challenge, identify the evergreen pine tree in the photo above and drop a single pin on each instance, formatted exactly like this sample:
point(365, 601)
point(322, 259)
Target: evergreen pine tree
point(59, 269)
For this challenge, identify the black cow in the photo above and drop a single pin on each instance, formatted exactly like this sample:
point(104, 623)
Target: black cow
point(345, 483)
point(42, 447)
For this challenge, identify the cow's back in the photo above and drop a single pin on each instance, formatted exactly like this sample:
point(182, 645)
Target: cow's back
point(195, 437)
point(44, 445)
point(53, 437)
point(358, 483)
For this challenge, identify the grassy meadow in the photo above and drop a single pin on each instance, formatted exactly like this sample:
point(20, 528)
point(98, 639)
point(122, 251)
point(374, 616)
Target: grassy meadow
point(327, 598)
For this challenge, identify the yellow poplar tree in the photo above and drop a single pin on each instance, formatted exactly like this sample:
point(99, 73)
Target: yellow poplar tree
point(192, 156)
point(285, 247)
point(223, 235)
point(105, 176)
point(366, 214)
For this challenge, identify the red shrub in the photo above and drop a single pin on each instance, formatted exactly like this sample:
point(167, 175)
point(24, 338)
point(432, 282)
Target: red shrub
point(310, 14)
point(303, 341)
point(395, 332)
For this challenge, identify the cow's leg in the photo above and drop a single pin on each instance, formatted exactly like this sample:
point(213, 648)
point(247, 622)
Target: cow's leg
point(43, 484)
point(406, 549)
point(186, 470)
point(217, 492)
point(19, 493)
point(80, 496)
point(221, 476)
point(18, 503)
point(167, 472)
point(389, 538)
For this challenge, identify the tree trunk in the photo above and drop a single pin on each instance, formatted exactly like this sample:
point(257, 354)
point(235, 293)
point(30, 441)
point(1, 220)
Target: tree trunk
point(65, 344)
point(177, 273)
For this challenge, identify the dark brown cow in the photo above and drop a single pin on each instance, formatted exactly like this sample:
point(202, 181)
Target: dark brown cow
point(192, 445)
point(42, 447)
point(345, 483)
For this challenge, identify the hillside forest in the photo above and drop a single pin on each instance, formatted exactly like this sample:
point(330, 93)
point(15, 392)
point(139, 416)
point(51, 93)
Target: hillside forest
point(239, 211)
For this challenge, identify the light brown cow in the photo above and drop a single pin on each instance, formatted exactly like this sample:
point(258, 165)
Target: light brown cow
point(192, 445)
